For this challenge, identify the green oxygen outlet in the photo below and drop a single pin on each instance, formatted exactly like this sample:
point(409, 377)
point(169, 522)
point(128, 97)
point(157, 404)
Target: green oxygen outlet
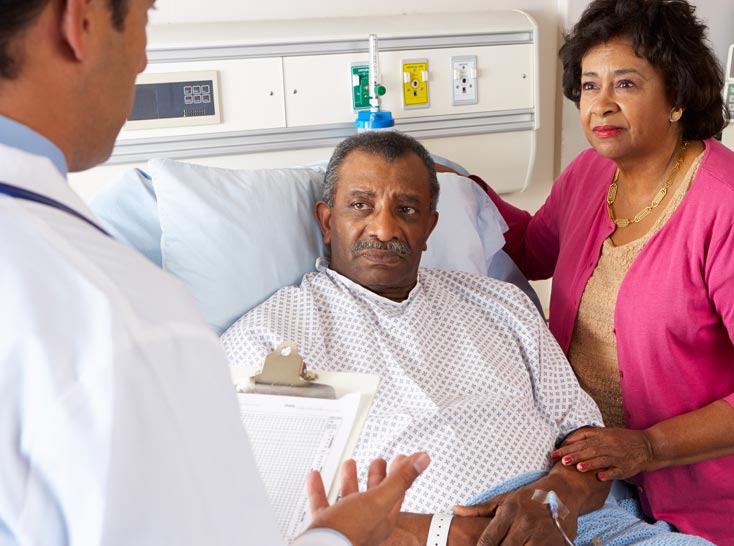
point(361, 87)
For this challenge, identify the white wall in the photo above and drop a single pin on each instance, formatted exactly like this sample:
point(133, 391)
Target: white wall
point(188, 11)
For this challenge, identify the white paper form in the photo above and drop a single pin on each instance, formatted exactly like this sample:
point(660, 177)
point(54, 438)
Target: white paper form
point(290, 436)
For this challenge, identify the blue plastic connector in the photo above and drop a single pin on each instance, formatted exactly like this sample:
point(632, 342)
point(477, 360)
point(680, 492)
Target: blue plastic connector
point(369, 121)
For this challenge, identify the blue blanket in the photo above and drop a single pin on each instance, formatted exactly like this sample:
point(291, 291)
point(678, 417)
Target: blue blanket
point(614, 519)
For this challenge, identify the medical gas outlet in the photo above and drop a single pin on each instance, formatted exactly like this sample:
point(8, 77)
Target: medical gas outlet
point(415, 83)
point(361, 87)
point(464, 80)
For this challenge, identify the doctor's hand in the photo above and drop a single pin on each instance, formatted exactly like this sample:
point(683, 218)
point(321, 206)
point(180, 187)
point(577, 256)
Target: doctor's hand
point(368, 518)
point(613, 453)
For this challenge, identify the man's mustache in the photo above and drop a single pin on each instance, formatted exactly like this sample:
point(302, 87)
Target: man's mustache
point(394, 245)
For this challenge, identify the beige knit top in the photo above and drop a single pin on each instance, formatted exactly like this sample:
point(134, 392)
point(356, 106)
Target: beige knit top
point(593, 349)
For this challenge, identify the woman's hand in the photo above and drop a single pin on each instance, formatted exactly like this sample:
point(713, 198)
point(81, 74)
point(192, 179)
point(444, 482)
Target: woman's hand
point(369, 518)
point(613, 453)
point(618, 453)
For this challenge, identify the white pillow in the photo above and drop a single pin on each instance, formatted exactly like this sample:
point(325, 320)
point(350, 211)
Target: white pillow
point(236, 236)
point(470, 229)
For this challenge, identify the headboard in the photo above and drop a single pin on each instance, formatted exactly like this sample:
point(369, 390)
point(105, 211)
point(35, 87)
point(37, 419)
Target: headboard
point(286, 91)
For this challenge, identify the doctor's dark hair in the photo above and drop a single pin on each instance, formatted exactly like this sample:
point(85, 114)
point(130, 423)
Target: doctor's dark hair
point(17, 15)
point(670, 37)
point(389, 145)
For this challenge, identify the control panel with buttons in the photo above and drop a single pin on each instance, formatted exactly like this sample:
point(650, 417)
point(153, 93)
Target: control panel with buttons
point(174, 100)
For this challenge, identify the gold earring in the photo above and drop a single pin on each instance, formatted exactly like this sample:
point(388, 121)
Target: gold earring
point(675, 115)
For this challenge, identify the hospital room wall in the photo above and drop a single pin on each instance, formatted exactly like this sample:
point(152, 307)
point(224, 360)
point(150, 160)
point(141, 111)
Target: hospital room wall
point(560, 136)
point(546, 13)
point(549, 15)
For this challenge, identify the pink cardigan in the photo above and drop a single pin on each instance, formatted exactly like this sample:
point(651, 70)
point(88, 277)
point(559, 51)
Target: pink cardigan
point(674, 315)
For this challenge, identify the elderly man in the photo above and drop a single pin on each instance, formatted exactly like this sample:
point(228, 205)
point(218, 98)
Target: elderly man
point(118, 421)
point(468, 369)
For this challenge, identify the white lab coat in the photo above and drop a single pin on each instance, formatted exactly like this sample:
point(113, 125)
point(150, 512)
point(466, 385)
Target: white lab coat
point(118, 420)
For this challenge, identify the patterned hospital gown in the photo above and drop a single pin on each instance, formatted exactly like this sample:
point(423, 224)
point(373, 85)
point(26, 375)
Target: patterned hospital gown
point(469, 373)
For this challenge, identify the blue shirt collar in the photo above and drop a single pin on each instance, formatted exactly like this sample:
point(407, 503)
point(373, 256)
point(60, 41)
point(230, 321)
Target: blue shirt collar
point(19, 136)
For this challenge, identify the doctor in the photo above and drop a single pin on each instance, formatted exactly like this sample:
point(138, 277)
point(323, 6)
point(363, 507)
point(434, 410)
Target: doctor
point(118, 423)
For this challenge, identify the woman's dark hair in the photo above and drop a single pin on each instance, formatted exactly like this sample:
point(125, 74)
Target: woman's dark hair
point(670, 37)
point(17, 15)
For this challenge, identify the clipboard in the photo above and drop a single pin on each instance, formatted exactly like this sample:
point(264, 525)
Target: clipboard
point(274, 400)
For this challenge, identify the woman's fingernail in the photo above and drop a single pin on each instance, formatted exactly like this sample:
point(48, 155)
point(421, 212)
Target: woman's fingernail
point(567, 460)
point(582, 466)
point(421, 463)
point(555, 455)
point(602, 477)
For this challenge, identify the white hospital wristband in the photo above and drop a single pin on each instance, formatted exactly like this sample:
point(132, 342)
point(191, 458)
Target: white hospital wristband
point(438, 532)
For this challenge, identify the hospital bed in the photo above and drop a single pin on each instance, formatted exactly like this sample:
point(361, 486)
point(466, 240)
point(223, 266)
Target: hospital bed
point(243, 100)
point(266, 94)
point(235, 236)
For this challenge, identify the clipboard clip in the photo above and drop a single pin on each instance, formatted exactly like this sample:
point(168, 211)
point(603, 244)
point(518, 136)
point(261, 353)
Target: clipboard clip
point(285, 373)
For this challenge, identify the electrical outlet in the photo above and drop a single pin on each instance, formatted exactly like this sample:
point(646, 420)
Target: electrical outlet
point(360, 86)
point(415, 83)
point(464, 80)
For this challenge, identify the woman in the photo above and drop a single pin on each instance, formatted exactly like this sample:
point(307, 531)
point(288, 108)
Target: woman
point(638, 235)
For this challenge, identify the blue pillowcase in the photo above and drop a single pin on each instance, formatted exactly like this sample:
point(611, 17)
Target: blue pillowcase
point(127, 209)
point(234, 237)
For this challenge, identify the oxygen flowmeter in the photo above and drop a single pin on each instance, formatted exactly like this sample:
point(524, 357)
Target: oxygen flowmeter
point(374, 118)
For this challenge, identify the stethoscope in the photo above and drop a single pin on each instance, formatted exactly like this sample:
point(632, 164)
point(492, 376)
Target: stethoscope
point(20, 193)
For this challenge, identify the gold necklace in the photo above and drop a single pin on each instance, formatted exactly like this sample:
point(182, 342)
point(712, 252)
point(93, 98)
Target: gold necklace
point(659, 196)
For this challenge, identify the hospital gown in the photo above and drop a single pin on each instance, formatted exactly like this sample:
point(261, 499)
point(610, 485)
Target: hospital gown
point(469, 372)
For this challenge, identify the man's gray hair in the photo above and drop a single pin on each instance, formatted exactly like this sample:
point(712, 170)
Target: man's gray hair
point(390, 145)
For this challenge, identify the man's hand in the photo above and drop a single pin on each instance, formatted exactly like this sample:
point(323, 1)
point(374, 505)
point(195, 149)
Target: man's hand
point(517, 519)
point(368, 518)
point(613, 453)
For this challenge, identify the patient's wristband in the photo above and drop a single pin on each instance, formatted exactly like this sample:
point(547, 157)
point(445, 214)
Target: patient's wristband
point(438, 532)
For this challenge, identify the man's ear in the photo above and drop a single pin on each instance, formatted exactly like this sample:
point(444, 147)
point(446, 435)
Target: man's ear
point(431, 226)
point(323, 216)
point(76, 18)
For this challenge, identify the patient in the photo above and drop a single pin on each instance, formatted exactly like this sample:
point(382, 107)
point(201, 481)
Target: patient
point(469, 371)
